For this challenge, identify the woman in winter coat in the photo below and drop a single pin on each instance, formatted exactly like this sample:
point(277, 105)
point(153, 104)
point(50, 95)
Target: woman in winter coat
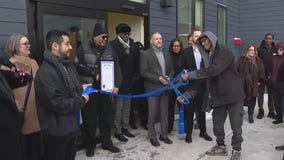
point(276, 60)
point(18, 46)
point(252, 72)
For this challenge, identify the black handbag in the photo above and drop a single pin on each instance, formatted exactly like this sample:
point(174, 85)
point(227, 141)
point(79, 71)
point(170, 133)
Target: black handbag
point(22, 114)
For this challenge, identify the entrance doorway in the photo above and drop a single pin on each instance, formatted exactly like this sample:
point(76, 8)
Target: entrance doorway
point(135, 22)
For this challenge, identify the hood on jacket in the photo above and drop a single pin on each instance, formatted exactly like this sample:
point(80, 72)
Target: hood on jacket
point(204, 54)
point(211, 36)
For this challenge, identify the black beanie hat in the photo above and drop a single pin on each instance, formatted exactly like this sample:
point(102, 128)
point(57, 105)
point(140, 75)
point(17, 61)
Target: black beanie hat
point(98, 30)
point(122, 28)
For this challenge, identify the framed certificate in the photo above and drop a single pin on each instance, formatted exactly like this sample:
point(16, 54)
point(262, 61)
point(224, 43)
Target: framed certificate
point(107, 75)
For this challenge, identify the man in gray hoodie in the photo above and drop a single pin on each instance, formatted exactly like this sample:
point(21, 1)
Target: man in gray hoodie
point(224, 92)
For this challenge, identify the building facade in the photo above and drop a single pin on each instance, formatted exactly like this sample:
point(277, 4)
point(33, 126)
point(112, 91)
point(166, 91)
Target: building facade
point(228, 19)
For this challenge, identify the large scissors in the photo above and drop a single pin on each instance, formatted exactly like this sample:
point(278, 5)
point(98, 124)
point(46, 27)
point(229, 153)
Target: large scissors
point(176, 83)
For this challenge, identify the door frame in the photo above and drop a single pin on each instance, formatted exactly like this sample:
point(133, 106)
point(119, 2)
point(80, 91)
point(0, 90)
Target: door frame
point(47, 8)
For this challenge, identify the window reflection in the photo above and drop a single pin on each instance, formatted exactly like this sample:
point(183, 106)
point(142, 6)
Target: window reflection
point(80, 29)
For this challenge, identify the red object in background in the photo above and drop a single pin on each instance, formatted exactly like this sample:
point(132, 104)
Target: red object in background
point(238, 41)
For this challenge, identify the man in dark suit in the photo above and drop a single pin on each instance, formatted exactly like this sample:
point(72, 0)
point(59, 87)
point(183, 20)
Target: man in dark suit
point(154, 65)
point(191, 59)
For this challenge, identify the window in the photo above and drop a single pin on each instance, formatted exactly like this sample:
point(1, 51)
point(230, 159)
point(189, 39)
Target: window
point(199, 14)
point(189, 16)
point(222, 23)
point(79, 28)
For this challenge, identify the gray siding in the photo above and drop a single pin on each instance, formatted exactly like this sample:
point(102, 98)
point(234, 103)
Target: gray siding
point(210, 20)
point(259, 17)
point(163, 20)
point(12, 19)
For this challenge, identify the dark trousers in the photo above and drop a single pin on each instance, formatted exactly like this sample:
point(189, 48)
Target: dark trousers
point(59, 148)
point(236, 113)
point(141, 105)
point(189, 110)
point(171, 110)
point(270, 96)
point(32, 145)
point(250, 103)
point(98, 110)
point(278, 102)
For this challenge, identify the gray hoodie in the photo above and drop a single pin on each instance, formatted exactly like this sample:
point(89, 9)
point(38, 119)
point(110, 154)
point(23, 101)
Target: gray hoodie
point(224, 85)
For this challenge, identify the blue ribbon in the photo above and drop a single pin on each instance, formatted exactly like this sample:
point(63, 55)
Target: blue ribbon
point(171, 84)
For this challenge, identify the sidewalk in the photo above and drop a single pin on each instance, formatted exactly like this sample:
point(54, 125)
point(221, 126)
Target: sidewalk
point(260, 139)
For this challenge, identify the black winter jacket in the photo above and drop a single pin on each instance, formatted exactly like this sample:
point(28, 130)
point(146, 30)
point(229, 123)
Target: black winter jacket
point(56, 108)
point(265, 54)
point(224, 85)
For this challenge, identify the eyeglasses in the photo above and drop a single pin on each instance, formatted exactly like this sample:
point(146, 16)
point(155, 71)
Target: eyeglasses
point(279, 49)
point(26, 44)
point(127, 34)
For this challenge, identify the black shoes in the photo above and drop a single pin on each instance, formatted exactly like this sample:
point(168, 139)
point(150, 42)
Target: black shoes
point(120, 137)
point(260, 114)
point(188, 138)
point(279, 148)
point(166, 140)
point(271, 115)
point(111, 148)
point(205, 136)
point(127, 133)
point(277, 121)
point(154, 142)
point(250, 118)
point(90, 152)
point(144, 125)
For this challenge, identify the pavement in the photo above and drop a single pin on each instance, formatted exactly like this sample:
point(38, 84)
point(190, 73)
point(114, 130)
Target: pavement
point(260, 139)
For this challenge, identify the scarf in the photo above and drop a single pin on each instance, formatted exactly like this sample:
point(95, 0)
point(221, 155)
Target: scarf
point(125, 45)
point(65, 68)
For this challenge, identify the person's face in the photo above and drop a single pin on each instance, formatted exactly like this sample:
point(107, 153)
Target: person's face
point(157, 40)
point(251, 52)
point(268, 40)
point(280, 51)
point(176, 47)
point(124, 36)
point(190, 41)
point(65, 47)
point(206, 44)
point(24, 47)
point(100, 40)
point(195, 36)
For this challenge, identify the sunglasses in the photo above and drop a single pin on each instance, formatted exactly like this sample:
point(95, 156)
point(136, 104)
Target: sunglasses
point(105, 37)
point(279, 49)
point(127, 34)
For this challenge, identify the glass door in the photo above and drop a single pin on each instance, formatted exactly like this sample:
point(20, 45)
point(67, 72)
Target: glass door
point(78, 22)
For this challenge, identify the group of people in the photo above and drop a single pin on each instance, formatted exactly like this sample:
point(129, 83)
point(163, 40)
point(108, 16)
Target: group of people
point(42, 102)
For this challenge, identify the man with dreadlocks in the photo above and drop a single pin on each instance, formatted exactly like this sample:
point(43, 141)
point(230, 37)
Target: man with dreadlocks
point(252, 72)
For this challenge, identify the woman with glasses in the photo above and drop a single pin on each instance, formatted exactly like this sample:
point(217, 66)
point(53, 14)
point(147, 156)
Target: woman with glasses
point(175, 50)
point(251, 70)
point(276, 60)
point(18, 46)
